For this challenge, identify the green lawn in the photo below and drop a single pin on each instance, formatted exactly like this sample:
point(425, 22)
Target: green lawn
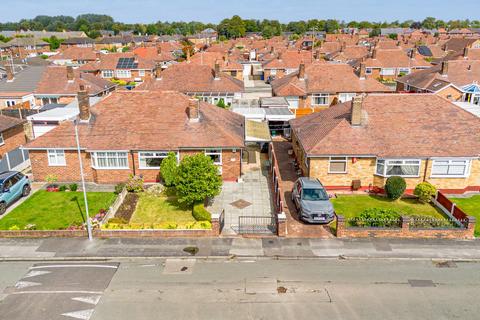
point(55, 210)
point(471, 206)
point(351, 206)
point(153, 209)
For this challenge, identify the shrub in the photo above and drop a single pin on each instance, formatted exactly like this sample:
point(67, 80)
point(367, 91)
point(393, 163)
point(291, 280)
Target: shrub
point(425, 191)
point(395, 187)
point(73, 187)
point(423, 222)
point(200, 213)
point(51, 179)
point(134, 184)
point(13, 228)
point(168, 169)
point(119, 188)
point(221, 104)
point(197, 179)
point(378, 217)
point(62, 188)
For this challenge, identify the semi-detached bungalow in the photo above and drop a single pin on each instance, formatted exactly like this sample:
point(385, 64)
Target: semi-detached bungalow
point(359, 144)
point(132, 132)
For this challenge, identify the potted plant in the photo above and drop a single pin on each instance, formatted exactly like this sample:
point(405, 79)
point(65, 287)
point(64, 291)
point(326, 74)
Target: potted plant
point(52, 186)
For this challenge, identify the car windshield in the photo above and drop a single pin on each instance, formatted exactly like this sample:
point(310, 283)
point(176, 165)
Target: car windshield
point(314, 195)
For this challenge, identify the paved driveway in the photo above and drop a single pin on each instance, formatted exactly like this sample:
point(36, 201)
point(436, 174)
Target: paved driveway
point(248, 198)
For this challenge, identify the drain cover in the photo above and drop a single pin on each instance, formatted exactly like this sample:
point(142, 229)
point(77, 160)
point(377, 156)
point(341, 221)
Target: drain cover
point(192, 250)
point(445, 264)
point(240, 204)
point(421, 283)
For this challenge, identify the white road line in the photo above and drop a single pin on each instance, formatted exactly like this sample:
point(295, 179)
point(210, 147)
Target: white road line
point(26, 284)
point(81, 314)
point(35, 273)
point(57, 291)
point(75, 266)
point(90, 299)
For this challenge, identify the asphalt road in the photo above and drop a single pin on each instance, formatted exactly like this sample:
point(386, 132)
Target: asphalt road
point(240, 289)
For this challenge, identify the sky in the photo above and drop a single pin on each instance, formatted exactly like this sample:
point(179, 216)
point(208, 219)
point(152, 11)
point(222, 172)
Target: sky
point(147, 11)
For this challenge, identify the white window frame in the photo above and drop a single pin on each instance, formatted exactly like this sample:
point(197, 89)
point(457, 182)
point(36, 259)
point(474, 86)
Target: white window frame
point(155, 154)
point(214, 152)
point(325, 96)
point(273, 72)
point(2, 141)
point(450, 162)
point(346, 96)
point(406, 70)
point(123, 73)
point(337, 160)
point(141, 73)
point(387, 71)
point(107, 74)
point(95, 157)
point(56, 158)
point(404, 162)
point(10, 103)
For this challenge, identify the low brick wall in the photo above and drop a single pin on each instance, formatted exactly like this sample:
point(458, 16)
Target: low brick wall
point(344, 231)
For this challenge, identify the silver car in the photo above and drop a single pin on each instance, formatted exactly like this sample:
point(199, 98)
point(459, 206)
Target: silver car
point(312, 201)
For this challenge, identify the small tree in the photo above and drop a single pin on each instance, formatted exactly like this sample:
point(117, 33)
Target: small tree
point(221, 104)
point(168, 169)
point(197, 179)
point(395, 187)
point(425, 191)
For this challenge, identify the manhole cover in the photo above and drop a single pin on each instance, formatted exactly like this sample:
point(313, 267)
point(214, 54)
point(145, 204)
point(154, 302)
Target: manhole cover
point(421, 283)
point(184, 269)
point(240, 204)
point(281, 290)
point(192, 250)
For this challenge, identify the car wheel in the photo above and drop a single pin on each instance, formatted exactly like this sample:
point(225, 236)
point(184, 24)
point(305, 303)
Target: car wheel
point(3, 207)
point(26, 190)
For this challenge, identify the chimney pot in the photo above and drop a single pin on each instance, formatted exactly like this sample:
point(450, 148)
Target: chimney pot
point(158, 71)
point(83, 104)
point(216, 71)
point(357, 111)
point(70, 75)
point(465, 52)
point(444, 71)
point(193, 110)
point(301, 71)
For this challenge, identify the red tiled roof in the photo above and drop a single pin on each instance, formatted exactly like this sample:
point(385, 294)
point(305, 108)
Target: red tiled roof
point(76, 53)
point(110, 61)
point(395, 58)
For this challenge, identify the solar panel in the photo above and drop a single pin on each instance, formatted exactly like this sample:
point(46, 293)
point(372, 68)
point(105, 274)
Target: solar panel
point(424, 51)
point(127, 63)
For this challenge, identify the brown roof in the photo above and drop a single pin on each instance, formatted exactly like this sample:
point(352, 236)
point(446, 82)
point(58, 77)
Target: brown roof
point(153, 54)
point(349, 53)
point(458, 44)
point(148, 120)
point(75, 53)
point(209, 58)
point(54, 81)
point(289, 60)
point(396, 125)
point(110, 61)
point(460, 73)
point(395, 58)
point(326, 78)
point(189, 77)
point(9, 122)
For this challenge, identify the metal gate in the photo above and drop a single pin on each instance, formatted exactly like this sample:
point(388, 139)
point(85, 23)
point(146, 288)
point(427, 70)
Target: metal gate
point(257, 225)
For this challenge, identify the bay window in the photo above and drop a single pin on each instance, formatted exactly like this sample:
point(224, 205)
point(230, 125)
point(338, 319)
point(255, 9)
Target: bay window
point(110, 160)
point(107, 73)
point(402, 168)
point(56, 157)
point(320, 99)
point(337, 165)
point(152, 160)
point(450, 168)
point(387, 72)
point(122, 73)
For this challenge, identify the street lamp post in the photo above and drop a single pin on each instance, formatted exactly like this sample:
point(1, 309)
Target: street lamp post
point(89, 226)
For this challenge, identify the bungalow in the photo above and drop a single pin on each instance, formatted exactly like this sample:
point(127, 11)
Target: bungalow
point(18, 87)
point(200, 81)
point(26, 47)
point(456, 80)
point(321, 85)
point(81, 42)
point(128, 133)
point(227, 63)
point(285, 63)
point(421, 137)
point(75, 56)
point(60, 84)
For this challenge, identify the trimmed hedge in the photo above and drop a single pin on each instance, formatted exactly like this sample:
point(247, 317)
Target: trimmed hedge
point(200, 213)
point(395, 187)
point(425, 191)
point(378, 217)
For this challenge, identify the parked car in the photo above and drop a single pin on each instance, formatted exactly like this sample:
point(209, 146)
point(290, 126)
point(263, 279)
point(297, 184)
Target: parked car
point(312, 201)
point(13, 185)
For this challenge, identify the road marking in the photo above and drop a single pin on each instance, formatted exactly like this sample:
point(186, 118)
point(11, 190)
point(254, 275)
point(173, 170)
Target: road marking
point(82, 314)
point(26, 284)
point(75, 266)
point(89, 299)
point(36, 273)
point(57, 291)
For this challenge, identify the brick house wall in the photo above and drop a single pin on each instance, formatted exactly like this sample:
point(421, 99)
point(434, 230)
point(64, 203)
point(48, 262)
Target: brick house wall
point(231, 168)
point(13, 138)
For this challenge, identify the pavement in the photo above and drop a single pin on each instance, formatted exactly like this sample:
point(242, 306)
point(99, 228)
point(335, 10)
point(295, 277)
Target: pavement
point(189, 288)
point(277, 248)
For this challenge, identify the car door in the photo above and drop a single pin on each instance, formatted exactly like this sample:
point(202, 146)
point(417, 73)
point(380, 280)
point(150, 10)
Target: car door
point(297, 194)
point(8, 194)
point(16, 185)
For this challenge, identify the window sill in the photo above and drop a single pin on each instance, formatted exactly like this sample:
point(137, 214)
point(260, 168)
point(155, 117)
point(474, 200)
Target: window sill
point(149, 168)
point(346, 172)
point(384, 176)
point(121, 168)
point(448, 177)
point(57, 165)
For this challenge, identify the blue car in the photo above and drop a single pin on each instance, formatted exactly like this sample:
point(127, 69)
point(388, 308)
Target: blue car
point(13, 185)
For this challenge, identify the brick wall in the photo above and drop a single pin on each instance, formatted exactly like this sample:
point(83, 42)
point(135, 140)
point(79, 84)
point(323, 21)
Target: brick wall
point(13, 138)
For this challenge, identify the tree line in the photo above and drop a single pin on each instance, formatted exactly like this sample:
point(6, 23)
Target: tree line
point(233, 27)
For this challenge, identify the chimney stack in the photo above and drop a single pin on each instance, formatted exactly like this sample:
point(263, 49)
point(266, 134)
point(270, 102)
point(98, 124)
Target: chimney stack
point(193, 110)
point(99, 56)
point(188, 54)
point(465, 52)
point(158, 71)
point(301, 71)
point(357, 111)
point(374, 53)
point(216, 71)
point(9, 70)
point(159, 50)
point(279, 56)
point(70, 75)
point(444, 71)
point(135, 58)
point(83, 104)
point(413, 52)
point(342, 47)
point(362, 73)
